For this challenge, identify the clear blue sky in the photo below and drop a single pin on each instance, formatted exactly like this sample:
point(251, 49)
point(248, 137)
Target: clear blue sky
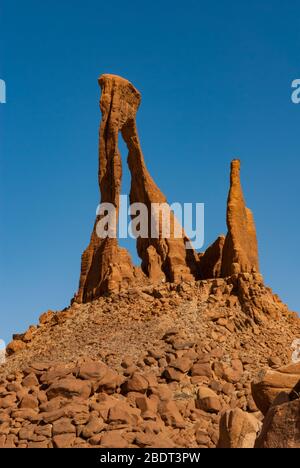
point(215, 79)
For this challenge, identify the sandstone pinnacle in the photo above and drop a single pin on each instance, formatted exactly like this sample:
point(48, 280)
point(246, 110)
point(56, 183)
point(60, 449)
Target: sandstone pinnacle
point(106, 267)
point(240, 252)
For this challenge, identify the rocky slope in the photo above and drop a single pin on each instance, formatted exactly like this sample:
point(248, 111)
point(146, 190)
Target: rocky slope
point(148, 367)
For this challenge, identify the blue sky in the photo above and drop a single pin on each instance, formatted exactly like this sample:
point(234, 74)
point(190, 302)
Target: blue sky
point(215, 79)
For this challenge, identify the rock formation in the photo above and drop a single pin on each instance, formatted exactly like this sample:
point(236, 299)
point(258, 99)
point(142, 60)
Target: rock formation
point(167, 355)
point(105, 266)
point(162, 257)
point(211, 260)
point(238, 429)
point(276, 384)
point(277, 395)
point(281, 427)
point(240, 252)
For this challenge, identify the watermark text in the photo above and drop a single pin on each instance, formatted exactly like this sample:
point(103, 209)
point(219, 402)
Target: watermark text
point(155, 221)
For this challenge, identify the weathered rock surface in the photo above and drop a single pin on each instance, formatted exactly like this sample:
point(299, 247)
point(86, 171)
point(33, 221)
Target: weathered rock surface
point(281, 428)
point(154, 366)
point(162, 257)
point(238, 429)
point(275, 382)
point(211, 261)
point(105, 266)
point(240, 251)
point(277, 395)
point(208, 400)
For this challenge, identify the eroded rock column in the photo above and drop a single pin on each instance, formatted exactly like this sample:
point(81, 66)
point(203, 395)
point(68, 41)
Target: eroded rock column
point(105, 266)
point(240, 251)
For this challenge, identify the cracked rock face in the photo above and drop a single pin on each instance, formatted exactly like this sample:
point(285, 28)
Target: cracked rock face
point(240, 252)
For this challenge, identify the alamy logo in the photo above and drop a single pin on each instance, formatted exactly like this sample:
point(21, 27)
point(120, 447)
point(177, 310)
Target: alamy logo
point(157, 221)
point(296, 93)
point(2, 352)
point(2, 92)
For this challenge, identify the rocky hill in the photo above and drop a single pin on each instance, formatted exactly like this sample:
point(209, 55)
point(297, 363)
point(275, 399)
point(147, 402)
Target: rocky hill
point(188, 350)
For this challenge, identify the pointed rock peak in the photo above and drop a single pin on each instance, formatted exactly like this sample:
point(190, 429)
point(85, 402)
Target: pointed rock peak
point(235, 164)
point(240, 252)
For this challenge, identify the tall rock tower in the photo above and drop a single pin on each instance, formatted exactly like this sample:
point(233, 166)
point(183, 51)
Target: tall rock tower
point(240, 251)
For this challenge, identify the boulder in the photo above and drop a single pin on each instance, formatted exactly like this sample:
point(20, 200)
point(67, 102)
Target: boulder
point(56, 372)
point(137, 383)
point(15, 346)
point(94, 426)
point(208, 400)
point(232, 373)
point(63, 426)
point(29, 401)
point(122, 413)
point(30, 380)
point(173, 374)
point(64, 440)
point(92, 370)
point(281, 427)
point(238, 429)
point(182, 364)
point(69, 387)
point(113, 439)
point(274, 382)
point(199, 369)
point(170, 414)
